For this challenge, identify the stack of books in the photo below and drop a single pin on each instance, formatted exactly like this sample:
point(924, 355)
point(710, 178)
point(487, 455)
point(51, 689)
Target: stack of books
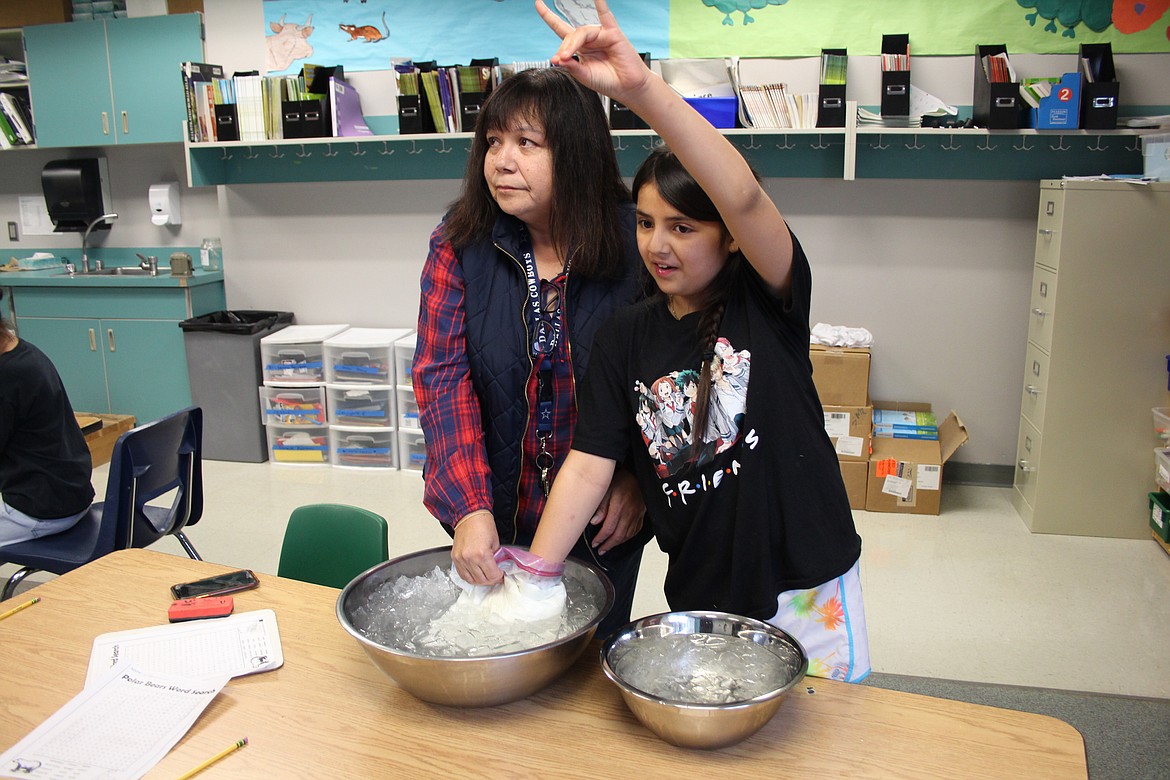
point(774, 106)
point(251, 107)
point(896, 424)
point(1034, 90)
point(16, 127)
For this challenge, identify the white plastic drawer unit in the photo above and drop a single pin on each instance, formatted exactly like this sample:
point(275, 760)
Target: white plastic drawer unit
point(407, 409)
point(362, 356)
point(403, 358)
point(362, 447)
point(291, 405)
point(298, 445)
point(296, 353)
point(414, 450)
point(365, 405)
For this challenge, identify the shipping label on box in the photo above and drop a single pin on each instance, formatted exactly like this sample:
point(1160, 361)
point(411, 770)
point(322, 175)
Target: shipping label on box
point(849, 428)
point(841, 374)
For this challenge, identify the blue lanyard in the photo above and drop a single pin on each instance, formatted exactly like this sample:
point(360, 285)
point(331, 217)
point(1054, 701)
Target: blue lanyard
point(544, 330)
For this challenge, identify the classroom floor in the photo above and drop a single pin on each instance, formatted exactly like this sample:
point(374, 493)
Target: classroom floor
point(969, 595)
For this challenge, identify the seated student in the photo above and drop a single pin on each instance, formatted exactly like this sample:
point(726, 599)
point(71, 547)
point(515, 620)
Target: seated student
point(45, 468)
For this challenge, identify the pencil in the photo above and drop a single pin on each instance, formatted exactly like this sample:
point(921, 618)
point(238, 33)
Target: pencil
point(213, 759)
point(25, 605)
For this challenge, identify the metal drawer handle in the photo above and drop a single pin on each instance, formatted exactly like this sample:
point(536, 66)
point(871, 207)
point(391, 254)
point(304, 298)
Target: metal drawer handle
point(1032, 390)
point(1040, 312)
point(1046, 232)
point(110, 338)
point(1025, 466)
point(92, 341)
point(125, 124)
point(105, 123)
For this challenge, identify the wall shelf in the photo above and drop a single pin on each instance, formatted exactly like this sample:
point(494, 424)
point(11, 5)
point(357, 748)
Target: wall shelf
point(841, 153)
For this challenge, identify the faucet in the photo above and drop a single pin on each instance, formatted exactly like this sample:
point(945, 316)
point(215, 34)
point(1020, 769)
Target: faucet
point(85, 239)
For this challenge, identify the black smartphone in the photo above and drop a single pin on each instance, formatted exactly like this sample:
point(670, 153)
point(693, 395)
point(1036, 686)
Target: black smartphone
point(219, 585)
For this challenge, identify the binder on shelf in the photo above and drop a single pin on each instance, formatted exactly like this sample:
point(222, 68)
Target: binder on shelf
point(414, 114)
point(1100, 89)
point(895, 75)
point(346, 117)
point(476, 82)
point(1058, 102)
point(621, 117)
point(831, 90)
point(227, 122)
point(303, 119)
point(997, 92)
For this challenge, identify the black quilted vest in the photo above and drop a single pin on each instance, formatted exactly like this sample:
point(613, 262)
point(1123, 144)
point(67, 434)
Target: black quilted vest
point(497, 339)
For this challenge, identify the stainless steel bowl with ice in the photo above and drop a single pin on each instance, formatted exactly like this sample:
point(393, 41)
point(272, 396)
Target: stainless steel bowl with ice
point(703, 679)
point(463, 680)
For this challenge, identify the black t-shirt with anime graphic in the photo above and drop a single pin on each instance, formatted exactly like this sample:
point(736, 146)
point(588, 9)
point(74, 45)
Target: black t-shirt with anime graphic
point(761, 507)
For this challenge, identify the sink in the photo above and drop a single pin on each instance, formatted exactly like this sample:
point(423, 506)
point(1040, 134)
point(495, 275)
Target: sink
point(127, 270)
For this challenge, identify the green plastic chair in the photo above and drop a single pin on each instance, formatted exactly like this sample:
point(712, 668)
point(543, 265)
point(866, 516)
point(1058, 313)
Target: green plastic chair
point(330, 544)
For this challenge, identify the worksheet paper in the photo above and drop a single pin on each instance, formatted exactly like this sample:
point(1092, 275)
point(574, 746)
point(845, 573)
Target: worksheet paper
point(236, 645)
point(116, 729)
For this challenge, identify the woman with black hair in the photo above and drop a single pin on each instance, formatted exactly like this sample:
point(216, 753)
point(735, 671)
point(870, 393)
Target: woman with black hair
point(532, 257)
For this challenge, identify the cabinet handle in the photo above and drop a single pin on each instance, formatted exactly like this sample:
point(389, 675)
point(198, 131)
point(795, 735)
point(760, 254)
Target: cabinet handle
point(1040, 312)
point(110, 338)
point(92, 341)
point(125, 124)
point(1032, 390)
point(1026, 467)
point(105, 123)
point(1046, 232)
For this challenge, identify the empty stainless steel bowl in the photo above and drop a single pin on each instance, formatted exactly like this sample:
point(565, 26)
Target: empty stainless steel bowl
point(478, 681)
point(682, 719)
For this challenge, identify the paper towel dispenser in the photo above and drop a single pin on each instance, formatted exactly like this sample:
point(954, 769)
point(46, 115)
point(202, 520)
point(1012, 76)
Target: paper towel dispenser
point(76, 193)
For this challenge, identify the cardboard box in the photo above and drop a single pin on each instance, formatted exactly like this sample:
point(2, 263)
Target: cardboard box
point(850, 428)
point(855, 474)
point(905, 475)
point(841, 374)
point(101, 441)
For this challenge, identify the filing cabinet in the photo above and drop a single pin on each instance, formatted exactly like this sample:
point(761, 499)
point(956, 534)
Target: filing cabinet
point(1098, 331)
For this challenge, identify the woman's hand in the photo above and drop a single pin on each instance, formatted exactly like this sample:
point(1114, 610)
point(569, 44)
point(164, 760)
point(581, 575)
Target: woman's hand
point(472, 554)
point(600, 57)
point(620, 512)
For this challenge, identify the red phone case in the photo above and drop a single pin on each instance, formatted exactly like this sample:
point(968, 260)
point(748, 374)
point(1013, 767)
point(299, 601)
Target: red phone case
point(198, 608)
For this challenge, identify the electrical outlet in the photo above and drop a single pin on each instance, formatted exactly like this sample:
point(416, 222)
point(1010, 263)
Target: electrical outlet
point(13, 235)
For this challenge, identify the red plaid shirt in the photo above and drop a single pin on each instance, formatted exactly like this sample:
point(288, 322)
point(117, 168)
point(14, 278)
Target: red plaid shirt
point(458, 479)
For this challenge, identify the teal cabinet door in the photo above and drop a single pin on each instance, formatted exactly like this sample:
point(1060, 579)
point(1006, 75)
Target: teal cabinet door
point(75, 347)
point(146, 368)
point(145, 55)
point(113, 81)
point(69, 83)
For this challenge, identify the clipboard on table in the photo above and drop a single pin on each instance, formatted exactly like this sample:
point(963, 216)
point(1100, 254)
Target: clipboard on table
point(245, 643)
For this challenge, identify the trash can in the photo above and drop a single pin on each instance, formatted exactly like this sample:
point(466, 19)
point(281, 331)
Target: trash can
point(223, 362)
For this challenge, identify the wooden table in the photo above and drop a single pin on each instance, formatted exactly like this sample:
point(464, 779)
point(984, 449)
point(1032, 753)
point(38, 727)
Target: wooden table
point(329, 712)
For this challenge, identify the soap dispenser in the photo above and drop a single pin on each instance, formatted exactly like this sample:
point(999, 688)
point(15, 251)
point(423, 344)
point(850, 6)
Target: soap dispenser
point(164, 204)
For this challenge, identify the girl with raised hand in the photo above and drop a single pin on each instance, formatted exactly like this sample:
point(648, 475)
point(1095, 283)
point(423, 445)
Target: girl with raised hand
point(744, 492)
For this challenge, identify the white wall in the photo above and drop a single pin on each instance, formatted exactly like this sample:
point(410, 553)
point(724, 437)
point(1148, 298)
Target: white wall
point(939, 271)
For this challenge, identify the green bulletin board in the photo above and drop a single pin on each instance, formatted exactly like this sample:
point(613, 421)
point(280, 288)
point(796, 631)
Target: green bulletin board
point(798, 28)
